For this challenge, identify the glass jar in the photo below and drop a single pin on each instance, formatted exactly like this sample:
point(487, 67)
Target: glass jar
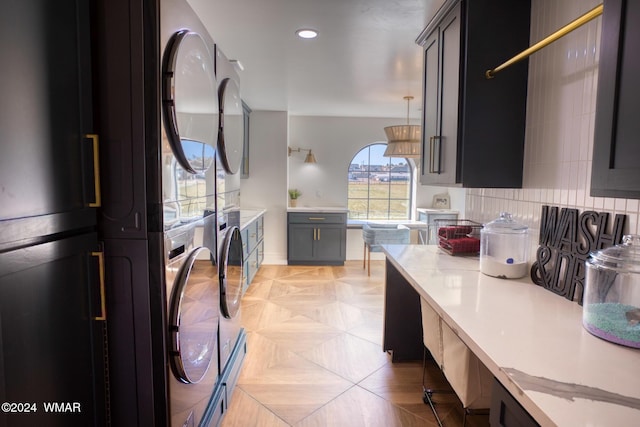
point(611, 302)
point(504, 248)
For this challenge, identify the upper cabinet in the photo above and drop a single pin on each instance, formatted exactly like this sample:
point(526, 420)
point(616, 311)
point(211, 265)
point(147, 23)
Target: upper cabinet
point(47, 136)
point(616, 152)
point(473, 127)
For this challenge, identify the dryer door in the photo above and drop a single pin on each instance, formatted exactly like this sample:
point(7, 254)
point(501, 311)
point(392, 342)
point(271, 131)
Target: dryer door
point(190, 107)
point(194, 317)
point(231, 132)
point(231, 273)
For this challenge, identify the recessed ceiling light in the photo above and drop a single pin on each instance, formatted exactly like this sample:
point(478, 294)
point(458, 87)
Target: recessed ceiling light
point(307, 33)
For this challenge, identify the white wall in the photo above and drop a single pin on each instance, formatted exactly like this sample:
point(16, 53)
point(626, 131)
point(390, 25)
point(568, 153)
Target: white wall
point(334, 141)
point(561, 106)
point(267, 183)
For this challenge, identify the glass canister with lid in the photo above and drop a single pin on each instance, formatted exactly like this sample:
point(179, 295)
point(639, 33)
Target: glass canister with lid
point(504, 248)
point(611, 301)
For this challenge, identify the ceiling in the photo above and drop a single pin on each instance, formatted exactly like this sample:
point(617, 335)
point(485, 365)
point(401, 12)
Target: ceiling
point(362, 64)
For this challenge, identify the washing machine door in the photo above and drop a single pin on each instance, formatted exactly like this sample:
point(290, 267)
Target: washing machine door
point(231, 273)
point(194, 317)
point(190, 106)
point(231, 132)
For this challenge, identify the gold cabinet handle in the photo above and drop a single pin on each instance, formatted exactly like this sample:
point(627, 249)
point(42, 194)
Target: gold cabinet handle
point(314, 233)
point(318, 234)
point(432, 154)
point(316, 218)
point(96, 170)
point(103, 306)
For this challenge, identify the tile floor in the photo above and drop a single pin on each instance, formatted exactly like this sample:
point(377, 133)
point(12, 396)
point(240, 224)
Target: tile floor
point(315, 356)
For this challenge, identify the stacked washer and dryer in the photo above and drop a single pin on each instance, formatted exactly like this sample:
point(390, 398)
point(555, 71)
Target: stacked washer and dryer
point(202, 140)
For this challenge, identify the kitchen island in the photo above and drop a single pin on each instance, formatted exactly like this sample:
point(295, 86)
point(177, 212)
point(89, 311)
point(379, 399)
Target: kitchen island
point(531, 340)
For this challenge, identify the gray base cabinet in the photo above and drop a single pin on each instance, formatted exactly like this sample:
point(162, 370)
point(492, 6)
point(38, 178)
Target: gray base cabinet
point(316, 238)
point(253, 249)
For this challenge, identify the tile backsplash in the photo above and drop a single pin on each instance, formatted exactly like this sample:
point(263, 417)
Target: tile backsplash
point(561, 105)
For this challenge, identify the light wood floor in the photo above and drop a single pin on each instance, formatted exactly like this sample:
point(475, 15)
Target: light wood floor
point(315, 356)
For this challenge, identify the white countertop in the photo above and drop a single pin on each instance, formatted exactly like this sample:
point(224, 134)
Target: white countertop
point(437, 211)
point(247, 216)
point(408, 223)
point(531, 339)
point(320, 209)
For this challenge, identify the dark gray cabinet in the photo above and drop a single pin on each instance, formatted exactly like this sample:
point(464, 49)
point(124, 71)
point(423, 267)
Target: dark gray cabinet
point(52, 343)
point(316, 238)
point(506, 411)
point(616, 151)
point(402, 332)
point(473, 127)
point(52, 318)
point(46, 155)
point(127, 116)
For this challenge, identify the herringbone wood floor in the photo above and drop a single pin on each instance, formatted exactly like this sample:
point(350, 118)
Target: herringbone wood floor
point(315, 356)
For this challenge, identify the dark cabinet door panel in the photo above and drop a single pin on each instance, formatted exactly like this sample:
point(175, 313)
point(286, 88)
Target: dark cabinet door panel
point(46, 162)
point(301, 242)
point(616, 151)
point(330, 243)
point(51, 347)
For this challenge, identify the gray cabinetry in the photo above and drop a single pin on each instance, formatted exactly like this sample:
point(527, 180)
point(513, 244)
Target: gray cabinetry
point(253, 249)
point(316, 238)
point(616, 152)
point(442, 68)
point(473, 128)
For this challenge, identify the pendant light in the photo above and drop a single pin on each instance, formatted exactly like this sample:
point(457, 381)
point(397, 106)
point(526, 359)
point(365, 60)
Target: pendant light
point(403, 140)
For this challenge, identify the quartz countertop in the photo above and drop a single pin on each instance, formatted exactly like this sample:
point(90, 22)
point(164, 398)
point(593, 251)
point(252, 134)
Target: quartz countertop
point(247, 216)
point(408, 223)
point(437, 211)
point(531, 340)
point(321, 209)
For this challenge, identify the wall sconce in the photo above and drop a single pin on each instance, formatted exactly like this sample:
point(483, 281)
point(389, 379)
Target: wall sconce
point(310, 158)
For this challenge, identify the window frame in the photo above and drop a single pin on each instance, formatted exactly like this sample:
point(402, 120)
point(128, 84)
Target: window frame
point(410, 190)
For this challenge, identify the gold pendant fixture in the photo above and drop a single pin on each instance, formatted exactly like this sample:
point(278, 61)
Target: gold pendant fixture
point(403, 140)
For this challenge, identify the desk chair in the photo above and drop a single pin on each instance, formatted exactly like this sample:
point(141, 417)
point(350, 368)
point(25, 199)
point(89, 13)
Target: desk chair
point(375, 235)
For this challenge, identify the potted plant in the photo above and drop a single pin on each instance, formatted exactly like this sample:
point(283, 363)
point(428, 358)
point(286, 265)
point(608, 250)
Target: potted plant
point(294, 193)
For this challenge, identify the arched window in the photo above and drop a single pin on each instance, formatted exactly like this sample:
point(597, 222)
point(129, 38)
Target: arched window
point(379, 187)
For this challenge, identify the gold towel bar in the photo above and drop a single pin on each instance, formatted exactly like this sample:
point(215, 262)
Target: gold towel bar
point(592, 14)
